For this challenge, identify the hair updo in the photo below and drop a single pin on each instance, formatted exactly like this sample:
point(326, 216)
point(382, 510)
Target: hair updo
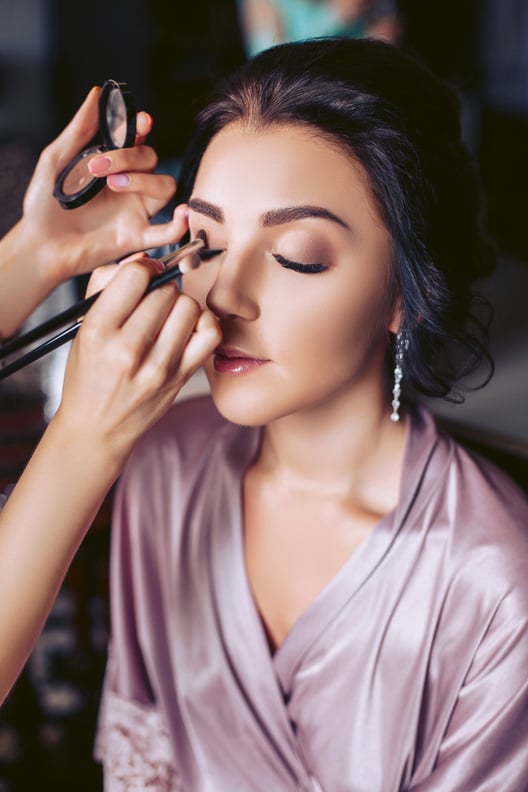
point(402, 125)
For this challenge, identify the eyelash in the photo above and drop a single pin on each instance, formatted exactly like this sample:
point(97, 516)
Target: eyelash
point(307, 269)
point(207, 253)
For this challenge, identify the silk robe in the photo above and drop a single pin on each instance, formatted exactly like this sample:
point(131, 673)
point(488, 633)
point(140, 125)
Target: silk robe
point(408, 672)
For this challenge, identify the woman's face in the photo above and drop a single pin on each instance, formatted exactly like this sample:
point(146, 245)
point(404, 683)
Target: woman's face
point(301, 284)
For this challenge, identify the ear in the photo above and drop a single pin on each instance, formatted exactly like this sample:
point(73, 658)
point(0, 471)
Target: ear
point(395, 317)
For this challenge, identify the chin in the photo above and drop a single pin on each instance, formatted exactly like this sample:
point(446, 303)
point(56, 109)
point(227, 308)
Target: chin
point(242, 401)
point(241, 410)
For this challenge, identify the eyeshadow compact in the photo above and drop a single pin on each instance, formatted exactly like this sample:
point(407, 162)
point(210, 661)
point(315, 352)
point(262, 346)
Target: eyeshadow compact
point(75, 185)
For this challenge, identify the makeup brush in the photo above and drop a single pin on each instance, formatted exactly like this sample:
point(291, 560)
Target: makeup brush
point(177, 263)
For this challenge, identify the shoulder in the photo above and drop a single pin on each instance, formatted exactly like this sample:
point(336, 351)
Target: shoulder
point(478, 492)
point(489, 500)
point(476, 511)
point(485, 515)
point(488, 492)
point(473, 523)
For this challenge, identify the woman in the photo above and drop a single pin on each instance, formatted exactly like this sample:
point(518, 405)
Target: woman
point(124, 370)
point(306, 593)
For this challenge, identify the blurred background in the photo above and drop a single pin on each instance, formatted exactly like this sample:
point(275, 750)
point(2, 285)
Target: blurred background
point(171, 54)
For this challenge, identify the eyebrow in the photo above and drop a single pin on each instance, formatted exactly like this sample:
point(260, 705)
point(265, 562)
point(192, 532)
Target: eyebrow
point(272, 217)
point(207, 209)
point(290, 213)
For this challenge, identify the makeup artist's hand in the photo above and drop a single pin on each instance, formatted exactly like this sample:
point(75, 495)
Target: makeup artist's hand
point(114, 223)
point(126, 366)
point(131, 358)
point(50, 244)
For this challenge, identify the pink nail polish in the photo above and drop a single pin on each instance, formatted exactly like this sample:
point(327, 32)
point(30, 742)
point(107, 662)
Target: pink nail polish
point(118, 179)
point(98, 166)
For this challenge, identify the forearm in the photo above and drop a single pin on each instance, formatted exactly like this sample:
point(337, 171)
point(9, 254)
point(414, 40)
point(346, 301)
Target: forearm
point(41, 528)
point(125, 368)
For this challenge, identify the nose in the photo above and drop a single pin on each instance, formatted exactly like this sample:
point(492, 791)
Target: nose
point(234, 292)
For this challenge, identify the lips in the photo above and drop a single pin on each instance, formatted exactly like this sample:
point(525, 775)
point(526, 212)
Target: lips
point(230, 360)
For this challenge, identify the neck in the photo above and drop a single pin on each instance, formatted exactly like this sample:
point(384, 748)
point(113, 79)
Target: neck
point(344, 448)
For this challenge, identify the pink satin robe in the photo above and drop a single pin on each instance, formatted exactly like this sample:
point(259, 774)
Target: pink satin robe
point(408, 672)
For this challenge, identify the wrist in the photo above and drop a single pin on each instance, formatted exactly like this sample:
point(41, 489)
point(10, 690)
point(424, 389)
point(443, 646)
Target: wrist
point(31, 255)
point(79, 440)
point(26, 278)
point(52, 260)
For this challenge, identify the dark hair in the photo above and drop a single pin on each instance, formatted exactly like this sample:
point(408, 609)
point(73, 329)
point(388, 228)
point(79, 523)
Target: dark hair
point(402, 124)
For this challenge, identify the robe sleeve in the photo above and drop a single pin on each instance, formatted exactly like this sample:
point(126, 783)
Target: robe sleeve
point(485, 746)
point(133, 745)
point(132, 741)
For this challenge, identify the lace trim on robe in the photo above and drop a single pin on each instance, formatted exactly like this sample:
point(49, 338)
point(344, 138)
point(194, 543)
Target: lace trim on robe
point(133, 744)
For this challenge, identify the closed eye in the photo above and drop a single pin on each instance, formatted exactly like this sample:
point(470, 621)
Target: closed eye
point(205, 254)
point(297, 266)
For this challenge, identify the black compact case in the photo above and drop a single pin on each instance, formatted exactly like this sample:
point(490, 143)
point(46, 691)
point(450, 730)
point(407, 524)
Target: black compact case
point(75, 185)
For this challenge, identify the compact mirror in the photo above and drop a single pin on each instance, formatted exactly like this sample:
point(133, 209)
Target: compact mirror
point(75, 185)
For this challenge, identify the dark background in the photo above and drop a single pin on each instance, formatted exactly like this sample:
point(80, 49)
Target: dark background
point(171, 54)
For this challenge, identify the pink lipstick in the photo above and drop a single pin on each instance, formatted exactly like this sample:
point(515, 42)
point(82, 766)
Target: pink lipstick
point(229, 360)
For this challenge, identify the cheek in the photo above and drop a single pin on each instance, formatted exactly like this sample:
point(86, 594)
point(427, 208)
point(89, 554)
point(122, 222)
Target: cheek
point(333, 331)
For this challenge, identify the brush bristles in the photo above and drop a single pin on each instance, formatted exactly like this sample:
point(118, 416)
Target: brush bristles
point(189, 263)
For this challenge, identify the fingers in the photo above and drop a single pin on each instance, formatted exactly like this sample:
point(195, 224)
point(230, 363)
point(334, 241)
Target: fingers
point(135, 158)
point(154, 188)
point(202, 343)
point(143, 326)
point(144, 124)
point(121, 297)
point(100, 278)
point(186, 339)
point(134, 353)
point(160, 234)
point(131, 170)
point(81, 130)
point(147, 236)
point(165, 334)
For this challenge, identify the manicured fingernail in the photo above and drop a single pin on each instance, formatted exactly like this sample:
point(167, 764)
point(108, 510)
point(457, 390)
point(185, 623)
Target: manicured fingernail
point(118, 179)
point(183, 211)
point(99, 165)
point(140, 254)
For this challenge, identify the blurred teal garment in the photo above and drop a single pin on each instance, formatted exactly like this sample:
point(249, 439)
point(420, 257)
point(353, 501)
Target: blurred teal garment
point(302, 19)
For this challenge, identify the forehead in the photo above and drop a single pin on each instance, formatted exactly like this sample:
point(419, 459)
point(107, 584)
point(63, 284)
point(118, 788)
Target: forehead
point(284, 164)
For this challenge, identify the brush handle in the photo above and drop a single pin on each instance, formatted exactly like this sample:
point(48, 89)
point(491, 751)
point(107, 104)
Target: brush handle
point(79, 309)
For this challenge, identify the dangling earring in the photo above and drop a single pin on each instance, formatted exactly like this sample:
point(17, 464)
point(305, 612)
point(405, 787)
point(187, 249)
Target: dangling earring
point(402, 344)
